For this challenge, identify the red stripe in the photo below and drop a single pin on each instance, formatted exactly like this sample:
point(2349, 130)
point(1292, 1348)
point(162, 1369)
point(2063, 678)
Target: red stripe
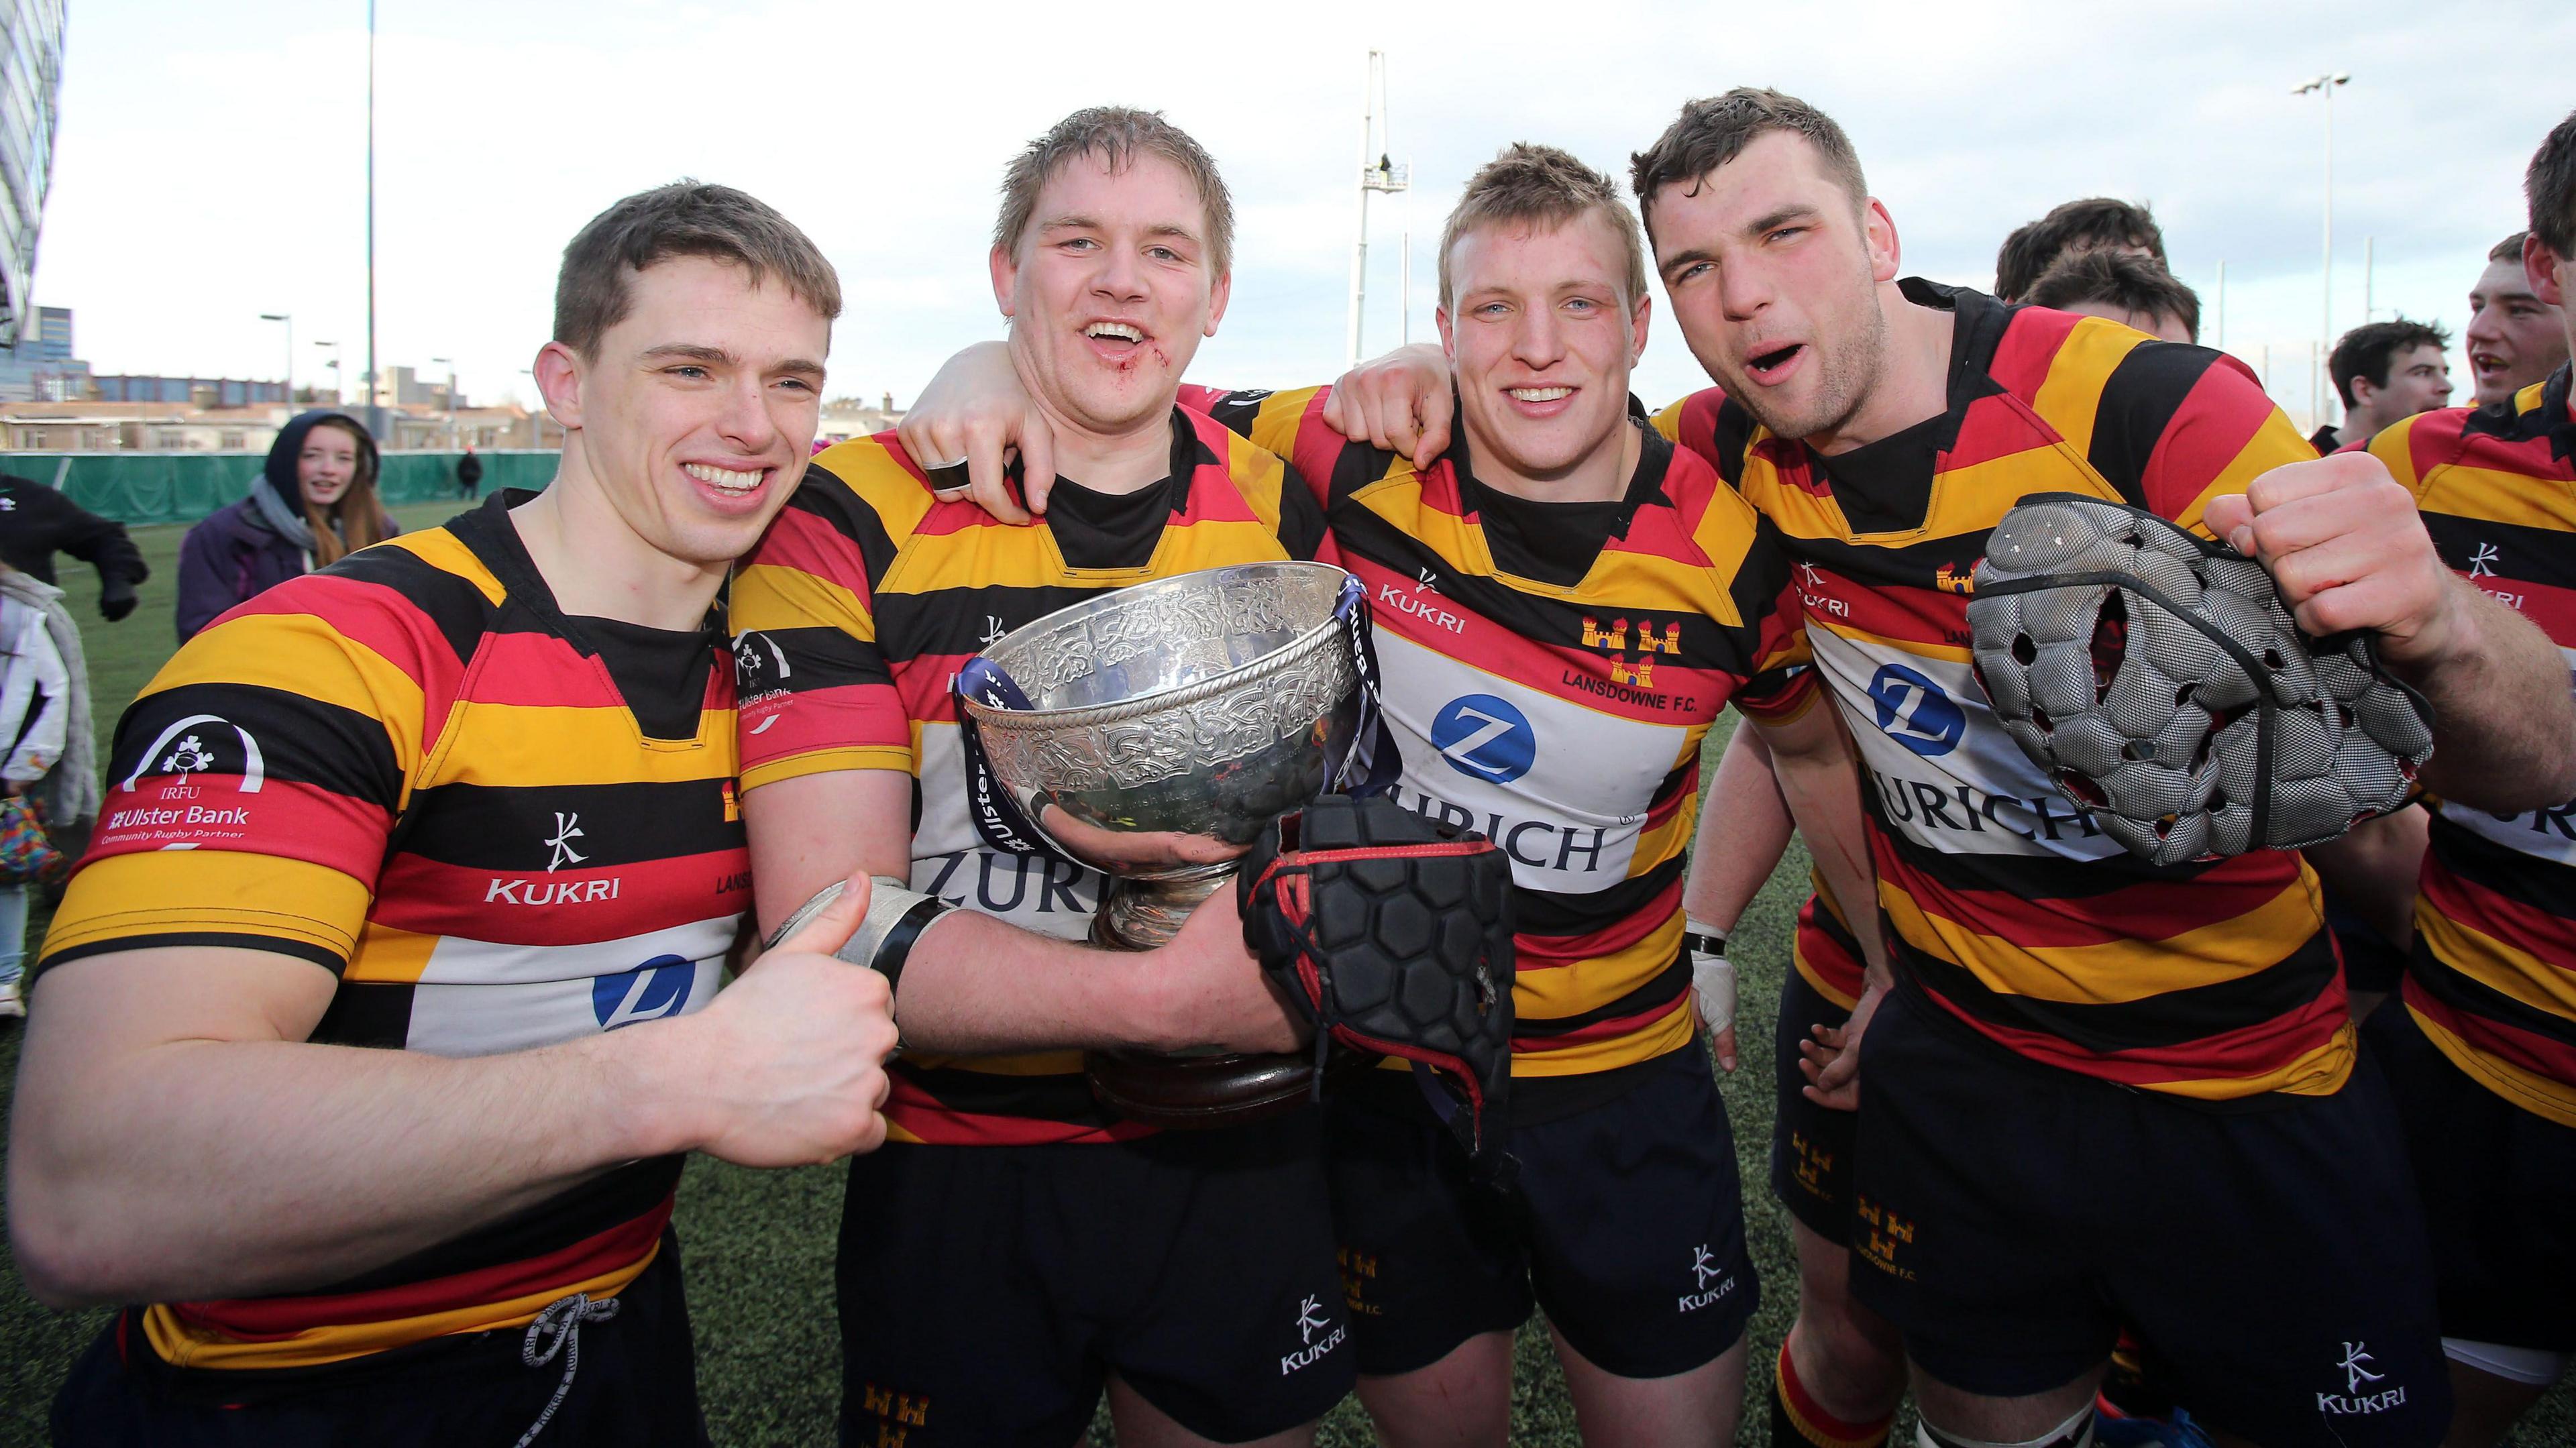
point(429, 898)
point(1600, 1030)
point(1687, 789)
point(1909, 615)
point(2148, 911)
point(2241, 1054)
point(266, 1319)
point(784, 725)
point(286, 819)
point(2218, 417)
point(2552, 608)
point(920, 1113)
point(2029, 348)
point(377, 617)
point(2540, 1055)
point(2549, 938)
point(809, 544)
point(1548, 952)
point(2435, 438)
point(1843, 971)
point(1994, 427)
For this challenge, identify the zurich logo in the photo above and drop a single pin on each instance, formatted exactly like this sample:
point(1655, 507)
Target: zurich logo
point(1913, 711)
point(1485, 737)
point(657, 988)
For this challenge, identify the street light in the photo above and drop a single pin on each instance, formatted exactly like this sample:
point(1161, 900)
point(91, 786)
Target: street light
point(289, 320)
point(2319, 395)
point(451, 397)
point(334, 365)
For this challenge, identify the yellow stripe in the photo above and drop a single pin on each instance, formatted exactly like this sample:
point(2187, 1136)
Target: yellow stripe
point(2515, 974)
point(1974, 498)
point(773, 596)
point(2394, 446)
point(163, 892)
point(182, 1345)
point(301, 653)
point(877, 479)
point(828, 761)
point(2493, 496)
point(1670, 1033)
point(387, 954)
point(2071, 396)
point(2320, 1072)
point(1668, 421)
point(2116, 971)
point(2548, 1099)
point(524, 745)
point(1276, 421)
point(446, 552)
point(1259, 475)
point(1915, 647)
point(1794, 511)
point(2274, 444)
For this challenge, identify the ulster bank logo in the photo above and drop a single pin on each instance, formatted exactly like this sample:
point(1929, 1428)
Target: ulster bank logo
point(1613, 640)
point(202, 743)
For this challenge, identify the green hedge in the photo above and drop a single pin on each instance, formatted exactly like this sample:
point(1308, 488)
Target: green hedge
point(178, 487)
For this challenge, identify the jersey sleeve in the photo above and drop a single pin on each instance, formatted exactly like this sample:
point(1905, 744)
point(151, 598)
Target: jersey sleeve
point(1289, 423)
point(2411, 452)
point(1781, 681)
point(815, 692)
point(254, 786)
point(2178, 426)
point(1702, 424)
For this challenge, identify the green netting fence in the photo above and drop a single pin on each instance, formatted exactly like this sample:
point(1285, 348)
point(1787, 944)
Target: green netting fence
point(183, 487)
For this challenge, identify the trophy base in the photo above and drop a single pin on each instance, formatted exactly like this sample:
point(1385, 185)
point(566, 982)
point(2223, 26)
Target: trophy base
point(1194, 1090)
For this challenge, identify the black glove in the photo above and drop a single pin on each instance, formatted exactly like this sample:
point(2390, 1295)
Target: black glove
point(116, 598)
point(1393, 935)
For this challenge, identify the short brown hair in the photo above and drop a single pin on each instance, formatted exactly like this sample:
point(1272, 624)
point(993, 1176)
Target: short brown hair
point(685, 218)
point(2550, 187)
point(2509, 249)
point(1115, 134)
point(1545, 187)
point(1714, 130)
point(2094, 222)
point(2367, 350)
point(2115, 278)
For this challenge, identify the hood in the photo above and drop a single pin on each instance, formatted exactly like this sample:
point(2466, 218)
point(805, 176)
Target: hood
point(278, 475)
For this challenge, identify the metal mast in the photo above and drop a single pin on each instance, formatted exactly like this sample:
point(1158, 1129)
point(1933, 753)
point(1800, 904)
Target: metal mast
point(1377, 173)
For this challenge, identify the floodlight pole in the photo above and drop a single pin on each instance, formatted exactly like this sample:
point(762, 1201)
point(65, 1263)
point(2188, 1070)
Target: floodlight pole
point(1380, 174)
point(2327, 84)
point(375, 394)
point(289, 320)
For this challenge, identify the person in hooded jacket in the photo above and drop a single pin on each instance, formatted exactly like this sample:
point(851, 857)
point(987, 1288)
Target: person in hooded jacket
point(314, 501)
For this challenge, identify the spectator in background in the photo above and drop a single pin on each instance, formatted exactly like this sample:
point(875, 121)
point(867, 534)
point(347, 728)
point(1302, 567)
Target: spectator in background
point(469, 474)
point(2096, 223)
point(39, 689)
point(314, 501)
point(2133, 291)
point(2385, 371)
point(2515, 339)
point(37, 522)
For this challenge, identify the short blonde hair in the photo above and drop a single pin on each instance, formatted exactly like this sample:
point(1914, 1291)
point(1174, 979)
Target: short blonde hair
point(1548, 187)
point(1115, 134)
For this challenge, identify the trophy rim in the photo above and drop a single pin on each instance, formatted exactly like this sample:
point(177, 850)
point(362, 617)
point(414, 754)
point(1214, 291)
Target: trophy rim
point(1295, 651)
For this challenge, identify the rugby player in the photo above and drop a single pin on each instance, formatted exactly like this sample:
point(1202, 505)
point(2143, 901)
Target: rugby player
point(2104, 1091)
point(1018, 1249)
point(1563, 608)
point(378, 1020)
point(2483, 1055)
point(2514, 339)
point(2074, 228)
point(2384, 371)
point(2132, 291)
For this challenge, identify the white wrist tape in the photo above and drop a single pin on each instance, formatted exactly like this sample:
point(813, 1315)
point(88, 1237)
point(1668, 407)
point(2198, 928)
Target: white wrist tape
point(1712, 980)
point(897, 915)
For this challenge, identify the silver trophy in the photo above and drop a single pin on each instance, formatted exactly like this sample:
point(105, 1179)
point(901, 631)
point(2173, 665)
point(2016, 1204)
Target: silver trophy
point(1167, 723)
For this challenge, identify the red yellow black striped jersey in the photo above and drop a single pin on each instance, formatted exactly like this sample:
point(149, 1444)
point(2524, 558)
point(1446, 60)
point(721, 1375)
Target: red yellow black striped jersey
point(1825, 951)
point(2494, 977)
point(2007, 905)
point(1550, 670)
point(855, 612)
point(502, 827)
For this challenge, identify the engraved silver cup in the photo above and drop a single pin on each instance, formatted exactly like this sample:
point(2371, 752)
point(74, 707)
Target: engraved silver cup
point(1170, 721)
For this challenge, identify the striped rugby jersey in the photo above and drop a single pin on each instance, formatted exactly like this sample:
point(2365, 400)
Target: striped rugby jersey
point(858, 608)
point(2211, 981)
point(1550, 671)
point(2494, 979)
point(1825, 951)
point(501, 827)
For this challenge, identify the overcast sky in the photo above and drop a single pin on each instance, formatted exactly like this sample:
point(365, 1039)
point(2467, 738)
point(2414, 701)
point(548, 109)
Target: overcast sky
point(212, 159)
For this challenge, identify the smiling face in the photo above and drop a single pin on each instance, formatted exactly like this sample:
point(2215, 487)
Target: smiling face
point(1541, 337)
point(327, 465)
point(2514, 339)
point(1109, 291)
point(2419, 380)
point(1773, 274)
point(696, 413)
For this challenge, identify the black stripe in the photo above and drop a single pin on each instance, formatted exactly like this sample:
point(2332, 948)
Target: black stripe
point(2174, 1018)
point(2138, 403)
point(1066, 1098)
point(1664, 988)
point(2025, 877)
point(1547, 913)
point(587, 1210)
point(2461, 993)
point(229, 940)
point(2528, 880)
point(301, 739)
point(373, 1013)
point(452, 603)
point(621, 824)
point(821, 657)
point(823, 494)
point(1301, 517)
point(2546, 556)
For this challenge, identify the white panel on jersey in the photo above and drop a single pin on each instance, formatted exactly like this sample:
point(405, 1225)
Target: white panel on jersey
point(1946, 774)
point(485, 1020)
point(459, 961)
point(1562, 788)
point(950, 860)
point(2547, 834)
